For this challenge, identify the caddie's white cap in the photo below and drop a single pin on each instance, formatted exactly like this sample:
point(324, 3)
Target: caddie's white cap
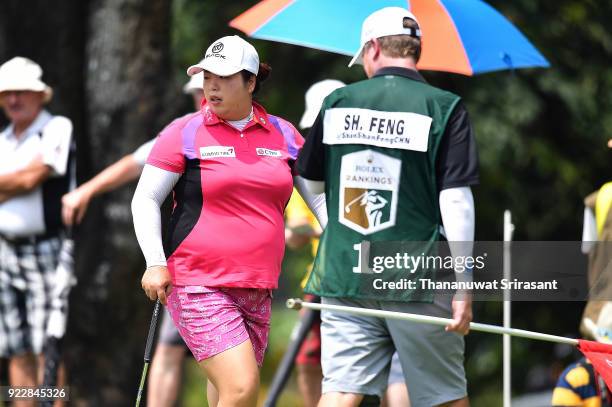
point(314, 99)
point(22, 73)
point(227, 56)
point(382, 23)
point(196, 82)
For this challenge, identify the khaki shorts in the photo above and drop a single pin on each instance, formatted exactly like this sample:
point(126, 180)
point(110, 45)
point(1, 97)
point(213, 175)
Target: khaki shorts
point(357, 351)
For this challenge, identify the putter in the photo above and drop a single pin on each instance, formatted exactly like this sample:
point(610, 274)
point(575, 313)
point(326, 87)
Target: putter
point(147, 354)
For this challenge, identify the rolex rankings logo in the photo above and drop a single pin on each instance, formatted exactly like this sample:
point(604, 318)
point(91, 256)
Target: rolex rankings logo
point(369, 185)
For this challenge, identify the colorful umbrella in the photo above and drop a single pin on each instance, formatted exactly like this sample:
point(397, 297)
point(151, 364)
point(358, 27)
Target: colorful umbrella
point(461, 36)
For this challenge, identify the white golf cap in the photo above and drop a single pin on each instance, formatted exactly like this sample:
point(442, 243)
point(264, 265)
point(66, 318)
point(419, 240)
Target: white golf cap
point(227, 56)
point(196, 82)
point(22, 73)
point(314, 99)
point(382, 23)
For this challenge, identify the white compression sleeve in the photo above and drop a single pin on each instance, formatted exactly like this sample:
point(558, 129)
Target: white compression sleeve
point(457, 210)
point(314, 201)
point(315, 187)
point(153, 187)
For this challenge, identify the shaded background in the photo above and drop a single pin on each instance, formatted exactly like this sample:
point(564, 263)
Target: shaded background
point(117, 67)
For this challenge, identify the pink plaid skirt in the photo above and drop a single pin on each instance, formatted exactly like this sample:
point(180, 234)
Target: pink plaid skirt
point(213, 320)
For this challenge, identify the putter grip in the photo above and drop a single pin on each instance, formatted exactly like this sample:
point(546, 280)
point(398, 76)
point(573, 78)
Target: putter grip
point(152, 327)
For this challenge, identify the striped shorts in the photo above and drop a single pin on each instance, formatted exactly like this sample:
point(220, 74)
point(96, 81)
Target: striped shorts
point(27, 273)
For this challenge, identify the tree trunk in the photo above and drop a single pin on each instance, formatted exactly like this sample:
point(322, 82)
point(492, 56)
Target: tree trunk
point(127, 70)
point(109, 64)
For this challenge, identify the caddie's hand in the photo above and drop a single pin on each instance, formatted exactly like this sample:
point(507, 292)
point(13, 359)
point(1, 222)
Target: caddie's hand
point(157, 283)
point(74, 206)
point(462, 313)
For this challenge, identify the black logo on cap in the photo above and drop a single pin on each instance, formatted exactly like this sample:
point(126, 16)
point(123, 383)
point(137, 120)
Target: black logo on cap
point(218, 47)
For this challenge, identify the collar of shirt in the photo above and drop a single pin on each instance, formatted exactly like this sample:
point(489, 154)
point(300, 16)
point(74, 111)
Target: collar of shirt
point(241, 124)
point(399, 71)
point(36, 127)
point(260, 117)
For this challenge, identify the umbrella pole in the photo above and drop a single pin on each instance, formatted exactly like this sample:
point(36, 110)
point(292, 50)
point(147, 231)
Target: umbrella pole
point(296, 303)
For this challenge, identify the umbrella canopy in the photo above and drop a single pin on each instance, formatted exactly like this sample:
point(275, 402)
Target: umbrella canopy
point(461, 36)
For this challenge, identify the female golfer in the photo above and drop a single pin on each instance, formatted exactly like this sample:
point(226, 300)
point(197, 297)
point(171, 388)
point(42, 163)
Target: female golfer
point(230, 167)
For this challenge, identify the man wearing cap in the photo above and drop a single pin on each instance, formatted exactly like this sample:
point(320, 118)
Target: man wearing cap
point(35, 172)
point(396, 158)
point(302, 227)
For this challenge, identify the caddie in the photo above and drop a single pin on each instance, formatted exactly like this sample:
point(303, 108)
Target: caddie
point(396, 158)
